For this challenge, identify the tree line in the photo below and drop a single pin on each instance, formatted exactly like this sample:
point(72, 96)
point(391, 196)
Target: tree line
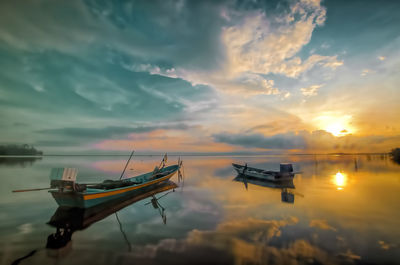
point(19, 149)
point(395, 155)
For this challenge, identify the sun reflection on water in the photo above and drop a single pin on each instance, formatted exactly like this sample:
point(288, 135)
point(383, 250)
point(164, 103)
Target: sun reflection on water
point(340, 180)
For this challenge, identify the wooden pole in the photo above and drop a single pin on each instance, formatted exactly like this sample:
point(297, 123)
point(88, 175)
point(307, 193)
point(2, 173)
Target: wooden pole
point(126, 165)
point(31, 190)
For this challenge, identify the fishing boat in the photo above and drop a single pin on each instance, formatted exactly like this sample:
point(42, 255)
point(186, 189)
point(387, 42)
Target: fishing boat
point(67, 192)
point(285, 173)
point(67, 220)
point(87, 195)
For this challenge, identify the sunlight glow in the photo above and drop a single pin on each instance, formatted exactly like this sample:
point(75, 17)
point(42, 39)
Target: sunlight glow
point(337, 129)
point(336, 125)
point(340, 180)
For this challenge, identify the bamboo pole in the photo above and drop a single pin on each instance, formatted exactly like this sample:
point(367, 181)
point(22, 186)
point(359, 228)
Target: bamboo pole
point(126, 165)
point(31, 190)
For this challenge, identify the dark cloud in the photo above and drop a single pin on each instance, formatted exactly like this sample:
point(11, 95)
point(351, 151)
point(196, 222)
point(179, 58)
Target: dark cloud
point(108, 132)
point(20, 124)
point(63, 63)
point(60, 143)
point(76, 136)
point(185, 33)
point(71, 85)
point(72, 91)
point(304, 140)
point(278, 141)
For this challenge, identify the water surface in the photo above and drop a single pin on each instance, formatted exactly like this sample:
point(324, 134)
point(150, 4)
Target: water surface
point(343, 210)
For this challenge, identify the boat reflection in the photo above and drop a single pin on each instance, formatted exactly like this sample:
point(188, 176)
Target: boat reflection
point(67, 220)
point(22, 161)
point(287, 187)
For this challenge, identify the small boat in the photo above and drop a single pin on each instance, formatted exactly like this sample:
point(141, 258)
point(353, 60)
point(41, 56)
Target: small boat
point(67, 192)
point(67, 220)
point(285, 173)
point(88, 195)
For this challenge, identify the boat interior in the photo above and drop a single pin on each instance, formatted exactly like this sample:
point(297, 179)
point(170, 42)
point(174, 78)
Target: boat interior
point(114, 184)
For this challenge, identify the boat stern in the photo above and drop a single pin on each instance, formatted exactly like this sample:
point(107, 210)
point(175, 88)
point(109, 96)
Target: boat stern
point(70, 199)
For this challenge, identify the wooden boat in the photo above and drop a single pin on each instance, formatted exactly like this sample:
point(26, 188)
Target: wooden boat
point(285, 173)
point(67, 220)
point(68, 193)
point(71, 194)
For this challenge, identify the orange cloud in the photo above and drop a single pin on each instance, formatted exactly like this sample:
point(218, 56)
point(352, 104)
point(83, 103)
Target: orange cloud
point(165, 141)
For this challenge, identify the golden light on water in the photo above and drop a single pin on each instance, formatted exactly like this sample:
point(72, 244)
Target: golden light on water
point(337, 125)
point(340, 180)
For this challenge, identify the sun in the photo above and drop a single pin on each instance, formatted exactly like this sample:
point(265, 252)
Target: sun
point(337, 125)
point(337, 129)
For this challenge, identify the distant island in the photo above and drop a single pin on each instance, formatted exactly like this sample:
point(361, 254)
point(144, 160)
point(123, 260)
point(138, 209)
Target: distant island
point(395, 155)
point(22, 149)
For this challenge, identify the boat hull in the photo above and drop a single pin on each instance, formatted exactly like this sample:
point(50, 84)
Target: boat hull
point(87, 200)
point(260, 174)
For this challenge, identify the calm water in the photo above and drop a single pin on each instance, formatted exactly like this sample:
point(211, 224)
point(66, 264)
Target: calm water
point(345, 211)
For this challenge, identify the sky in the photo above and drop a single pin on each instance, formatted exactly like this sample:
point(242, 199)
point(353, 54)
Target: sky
point(296, 76)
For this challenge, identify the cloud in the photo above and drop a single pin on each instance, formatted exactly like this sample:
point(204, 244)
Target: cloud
point(349, 256)
point(166, 141)
point(321, 224)
point(261, 44)
point(279, 141)
point(319, 140)
point(366, 72)
point(254, 45)
point(224, 65)
point(38, 88)
point(99, 94)
point(186, 36)
point(311, 90)
point(255, 84)
point(110, 131)
point(106, 98)
point(238, 242)
point(385, 246)
point(91, 138)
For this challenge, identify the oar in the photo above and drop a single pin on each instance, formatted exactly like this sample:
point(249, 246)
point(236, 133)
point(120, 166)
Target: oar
point(31, 190)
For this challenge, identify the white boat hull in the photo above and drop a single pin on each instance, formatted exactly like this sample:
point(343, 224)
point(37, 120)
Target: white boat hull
point(254, 174)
